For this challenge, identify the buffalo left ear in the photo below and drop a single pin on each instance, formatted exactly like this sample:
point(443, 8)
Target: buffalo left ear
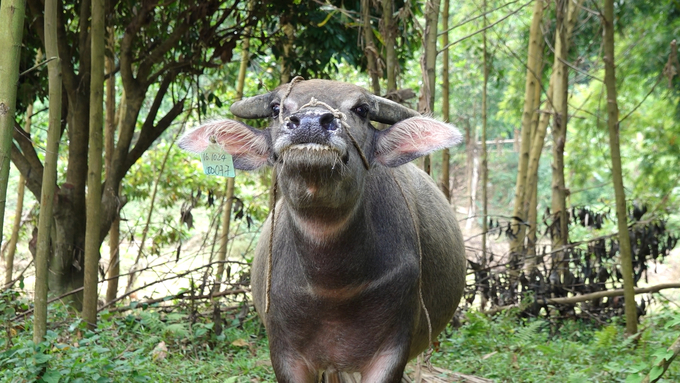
point(412, 138)
point(248, 146)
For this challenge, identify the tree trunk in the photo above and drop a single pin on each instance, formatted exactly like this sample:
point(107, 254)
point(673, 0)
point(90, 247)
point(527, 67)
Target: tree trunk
point(538, 139)
point(14, 238)
point(531, 193)
point(471, 171)
point(613, 125)
point(229, 198)
point(559, 228)
point(289, 32)
point(530, 107)
point(49, 178)
point(113, 271)
point(289, 35)
point(94, 171)
point(11, 30)
point(474, 181)
point(446, 156)
point(389, 34)
point(371, 52)
point(485, 167)
point(428, 65)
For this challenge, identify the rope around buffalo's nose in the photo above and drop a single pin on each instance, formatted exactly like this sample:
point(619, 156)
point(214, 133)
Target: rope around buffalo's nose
point(343, 120)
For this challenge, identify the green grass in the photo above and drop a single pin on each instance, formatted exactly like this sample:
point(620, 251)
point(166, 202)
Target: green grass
point(507, 349)
point(149, 345)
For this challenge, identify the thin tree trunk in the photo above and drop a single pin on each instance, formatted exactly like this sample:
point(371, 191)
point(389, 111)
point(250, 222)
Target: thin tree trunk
point(474, 181)
point(485, 167)
point(49, 179)
point(470, 171)
point(446, 155)
point(109, 141)
point(613, 125)
point(94, 171)
point(559, 229)
point(11, 30)
point(390, 38)
point(428, 65)
point(370, 51)
point(538, 139)
point(229, 198)
point(14, 238)
point(530, 107)
point(289, 32)
point(132, 275)
point(289, 35)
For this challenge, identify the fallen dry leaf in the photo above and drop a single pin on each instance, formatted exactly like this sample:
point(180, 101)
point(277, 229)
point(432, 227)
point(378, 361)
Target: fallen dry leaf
point(159, 352)
point(240, 343)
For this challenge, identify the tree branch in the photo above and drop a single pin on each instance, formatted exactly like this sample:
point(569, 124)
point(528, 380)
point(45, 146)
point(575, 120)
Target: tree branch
point(33, 176)
point(665, 362)
point(592, 296)
point(156, 55)
point(69, 78)
point(149, 135)
point(180, 296)
point(130, 83)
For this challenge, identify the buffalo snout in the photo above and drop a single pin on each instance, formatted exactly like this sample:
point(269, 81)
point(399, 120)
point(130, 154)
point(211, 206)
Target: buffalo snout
point(312, 121)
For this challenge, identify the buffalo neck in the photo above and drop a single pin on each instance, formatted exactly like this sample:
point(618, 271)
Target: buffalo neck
point(331, 245)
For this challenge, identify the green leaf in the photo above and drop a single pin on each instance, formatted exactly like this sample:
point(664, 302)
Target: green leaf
point(655, 373)
point(662, 354)
point(378, 36)
point(51, 376)
point(673, 323)
point(41, 358)
point(639, 367)
point(635, 378)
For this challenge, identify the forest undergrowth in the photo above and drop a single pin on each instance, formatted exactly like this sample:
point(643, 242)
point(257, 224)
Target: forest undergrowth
point(182, 344)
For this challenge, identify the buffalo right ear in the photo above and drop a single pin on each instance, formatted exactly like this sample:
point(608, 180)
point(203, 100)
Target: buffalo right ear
point(412, 138)
point(248, 146)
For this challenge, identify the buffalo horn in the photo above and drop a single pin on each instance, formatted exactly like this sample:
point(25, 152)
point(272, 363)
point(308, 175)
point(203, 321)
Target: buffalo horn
point(252, 107)
point(389, 112)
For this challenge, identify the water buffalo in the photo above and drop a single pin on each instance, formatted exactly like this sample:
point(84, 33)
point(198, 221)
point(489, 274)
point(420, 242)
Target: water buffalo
point(361, 260)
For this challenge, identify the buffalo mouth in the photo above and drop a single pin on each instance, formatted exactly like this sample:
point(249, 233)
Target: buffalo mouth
point(313, 156)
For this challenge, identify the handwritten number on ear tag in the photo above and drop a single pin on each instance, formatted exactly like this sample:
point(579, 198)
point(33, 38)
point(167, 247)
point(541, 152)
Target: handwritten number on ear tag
point(217, 162)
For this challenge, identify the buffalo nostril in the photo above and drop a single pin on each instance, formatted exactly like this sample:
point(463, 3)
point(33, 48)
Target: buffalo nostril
point(293, 122)
point(327, 121)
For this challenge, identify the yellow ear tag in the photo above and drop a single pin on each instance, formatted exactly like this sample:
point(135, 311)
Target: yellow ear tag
point(217, 162)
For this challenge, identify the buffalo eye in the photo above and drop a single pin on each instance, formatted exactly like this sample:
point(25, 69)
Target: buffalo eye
point(276, 109)
point(361, 110)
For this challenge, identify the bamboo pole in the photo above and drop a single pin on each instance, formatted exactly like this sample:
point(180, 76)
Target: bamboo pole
point(11, 32)
point(94, 171)
point(49, 179)
point(446, 154)
point(530, 106)
point(613, 127)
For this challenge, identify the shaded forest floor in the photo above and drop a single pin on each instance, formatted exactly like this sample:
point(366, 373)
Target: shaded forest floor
point(170, 345)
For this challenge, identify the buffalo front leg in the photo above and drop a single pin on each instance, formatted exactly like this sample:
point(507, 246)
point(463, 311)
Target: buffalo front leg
point(291, 368)
point(386, 367)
